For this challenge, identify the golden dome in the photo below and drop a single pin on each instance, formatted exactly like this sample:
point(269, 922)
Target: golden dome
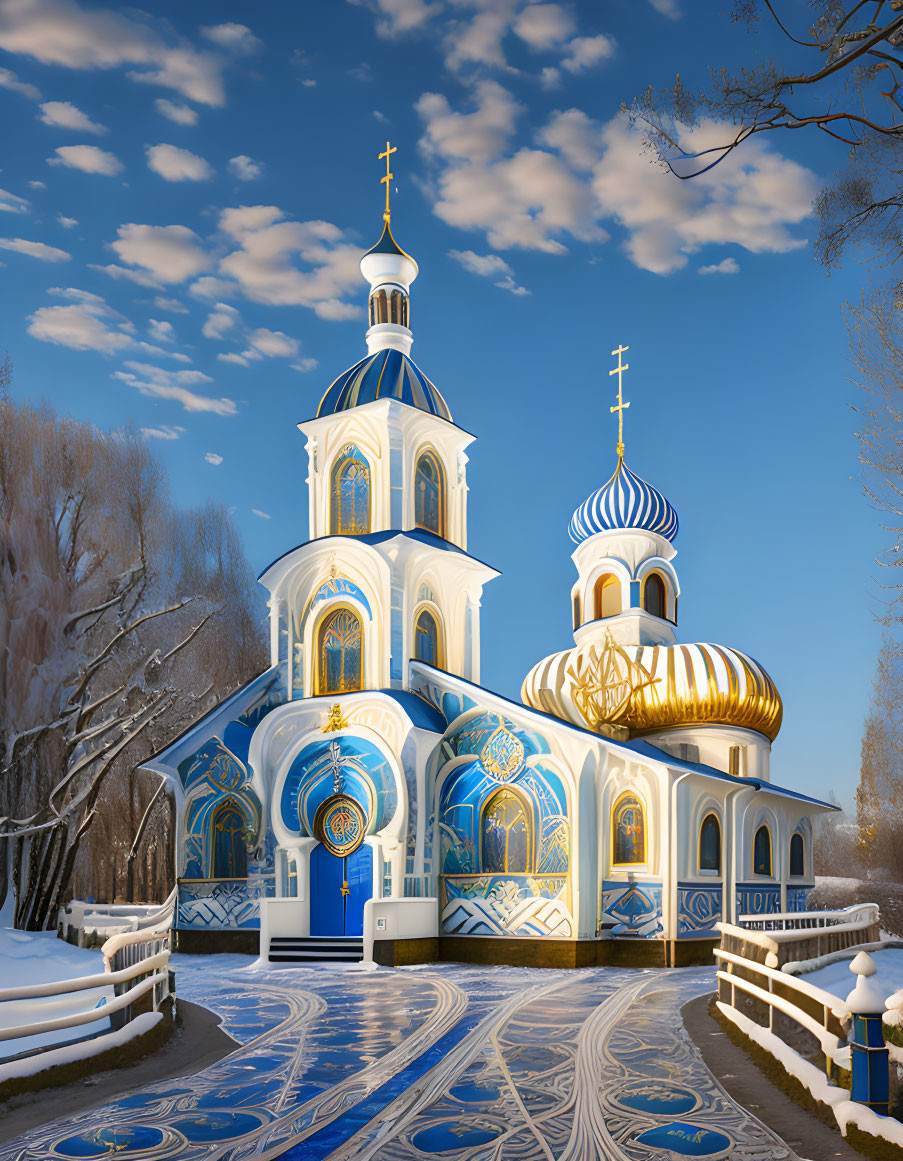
point(646, 688)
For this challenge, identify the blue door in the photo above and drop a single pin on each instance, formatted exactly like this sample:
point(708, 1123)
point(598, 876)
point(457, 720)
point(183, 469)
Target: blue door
point(339, 888)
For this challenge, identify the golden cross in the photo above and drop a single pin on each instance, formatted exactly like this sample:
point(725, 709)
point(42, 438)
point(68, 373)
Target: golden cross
point(390, 149)
point(622, 406)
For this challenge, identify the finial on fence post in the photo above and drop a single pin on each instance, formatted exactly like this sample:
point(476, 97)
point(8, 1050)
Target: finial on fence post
point(870, 1058)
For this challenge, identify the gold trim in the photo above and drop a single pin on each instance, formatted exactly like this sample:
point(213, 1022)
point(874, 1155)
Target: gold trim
point(320, 657)
point(430, 451)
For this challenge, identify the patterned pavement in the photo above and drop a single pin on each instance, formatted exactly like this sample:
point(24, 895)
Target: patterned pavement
point(465, 1063)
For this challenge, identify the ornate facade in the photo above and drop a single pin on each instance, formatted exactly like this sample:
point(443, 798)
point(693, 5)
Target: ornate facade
point(366, 785)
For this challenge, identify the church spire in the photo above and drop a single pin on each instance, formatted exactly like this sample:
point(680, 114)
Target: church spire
point(390, 272)
point(622, 406)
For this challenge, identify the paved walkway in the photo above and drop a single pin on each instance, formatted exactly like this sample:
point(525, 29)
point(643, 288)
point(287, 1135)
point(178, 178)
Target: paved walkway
point(470, 1063)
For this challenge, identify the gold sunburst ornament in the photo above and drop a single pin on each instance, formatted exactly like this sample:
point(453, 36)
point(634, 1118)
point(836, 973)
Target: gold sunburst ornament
point(605, 682)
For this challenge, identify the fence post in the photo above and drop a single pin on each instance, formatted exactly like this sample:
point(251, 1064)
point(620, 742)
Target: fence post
point(870, 1057)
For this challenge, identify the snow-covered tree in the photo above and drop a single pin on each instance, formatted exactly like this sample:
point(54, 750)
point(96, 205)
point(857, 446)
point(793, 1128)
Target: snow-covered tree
point(121, 620)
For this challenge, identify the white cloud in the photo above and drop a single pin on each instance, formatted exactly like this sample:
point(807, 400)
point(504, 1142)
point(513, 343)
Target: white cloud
point(164, 431)
point(381, 117)
point(59, 32)
point(550, 78)
point(667, 8)
point(120, 272)
point(175, 385)
point(87, 158)
point(262, 515)
point(544, 26)
point(168, 253)
point(748, 200)
point(87, 324)
point(9, 80)
point(273, 344)
point(528, 199)
point(726, 266)
point(210, 287)
point(232, 37)
point(264, 267)
point(400, 16)
point(213, 458)
point(233, 357)
point(160, 330)
point(12, 204)
point(577, 137)
point(220, 320)
point(305, 365)
point(479, 40)
point(180, 114)
point(65, 115)
point(37, 184)
point(66, 223)
point(175, 164)
point(586, 51)
point(34, 249)
point(489, 266)
point(170, 304)
point(245, 168)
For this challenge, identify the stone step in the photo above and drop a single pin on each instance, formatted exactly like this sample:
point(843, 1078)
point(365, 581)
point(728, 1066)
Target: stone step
point(315, 949)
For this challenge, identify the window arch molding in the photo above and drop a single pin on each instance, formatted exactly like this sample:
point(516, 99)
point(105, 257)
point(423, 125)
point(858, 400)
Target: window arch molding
point(350, 491)
point(322, 679)
point(229, 854)
point(797, 856)
point(763, 850)
point(621, 826)
point(710, 844)
point(655, 594)
point(498, 796)
point(607, 595)
point(430, 492)
point(432, 609)
point(613, 567)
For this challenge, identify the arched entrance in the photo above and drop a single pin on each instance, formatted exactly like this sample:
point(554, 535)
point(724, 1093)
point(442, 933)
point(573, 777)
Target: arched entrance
point(340, 885)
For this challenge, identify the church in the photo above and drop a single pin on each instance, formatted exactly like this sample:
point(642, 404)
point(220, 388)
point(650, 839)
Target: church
point(366, 798)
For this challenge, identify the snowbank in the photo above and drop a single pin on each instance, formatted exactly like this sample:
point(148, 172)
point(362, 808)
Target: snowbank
point(38, 957)
point(70, 1053)
point(839, 980)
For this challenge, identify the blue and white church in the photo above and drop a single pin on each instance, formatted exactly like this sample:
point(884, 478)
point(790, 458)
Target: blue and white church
point(367, 798)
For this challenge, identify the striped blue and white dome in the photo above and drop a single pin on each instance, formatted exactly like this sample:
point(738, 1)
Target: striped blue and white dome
point(388, 374)
point(625, 501)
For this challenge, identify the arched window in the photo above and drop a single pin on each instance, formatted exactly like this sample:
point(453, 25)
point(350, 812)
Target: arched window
point(350, 494)
point(426, 639)
point(628, 831)
point(339, 653)
point(382, 307)
point(230, 853)
point(607, 596)
point(576, 610)
point(506, 834)
point(710, 844)
point(404, 310)
point(797, 855)
point(429, 494)
point(654, 595)
point(762, 852)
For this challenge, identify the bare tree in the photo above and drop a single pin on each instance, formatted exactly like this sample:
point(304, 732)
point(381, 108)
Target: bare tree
point(121, 621)
point(879, 800)
point(844, 83)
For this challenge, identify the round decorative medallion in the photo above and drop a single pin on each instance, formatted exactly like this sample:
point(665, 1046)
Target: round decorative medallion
point(340, 824)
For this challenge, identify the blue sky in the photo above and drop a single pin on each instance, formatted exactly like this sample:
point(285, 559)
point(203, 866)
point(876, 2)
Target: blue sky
point(186, 191)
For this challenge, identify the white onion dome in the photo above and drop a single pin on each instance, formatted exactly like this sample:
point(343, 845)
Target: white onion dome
point(625, 501)
point(387, 263)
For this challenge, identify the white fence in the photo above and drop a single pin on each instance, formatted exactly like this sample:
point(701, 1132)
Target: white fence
point(136, 966)
point(859, 915)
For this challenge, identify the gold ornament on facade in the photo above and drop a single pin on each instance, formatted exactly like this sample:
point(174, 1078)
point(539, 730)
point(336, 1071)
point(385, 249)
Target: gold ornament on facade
point(605, 683)
point(335, 720)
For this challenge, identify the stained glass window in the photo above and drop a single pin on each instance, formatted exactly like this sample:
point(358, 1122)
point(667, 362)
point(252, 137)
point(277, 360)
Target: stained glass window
point(654, 595)
point(629, 831)
point(507, 841)
point(426, 639)
point(350, 494)
point(710, 844)
point(340, 653)
point(607, 596)
point(797, 855)
point(230, 854)
point(762, 852)
point(429, 494)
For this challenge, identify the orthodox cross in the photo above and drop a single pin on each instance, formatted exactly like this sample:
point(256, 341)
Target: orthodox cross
point(622, 406)
point(337, 764)
point(390, 149)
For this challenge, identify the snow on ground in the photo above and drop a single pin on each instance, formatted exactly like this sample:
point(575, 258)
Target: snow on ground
point(838, 979)
point(38, 957)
